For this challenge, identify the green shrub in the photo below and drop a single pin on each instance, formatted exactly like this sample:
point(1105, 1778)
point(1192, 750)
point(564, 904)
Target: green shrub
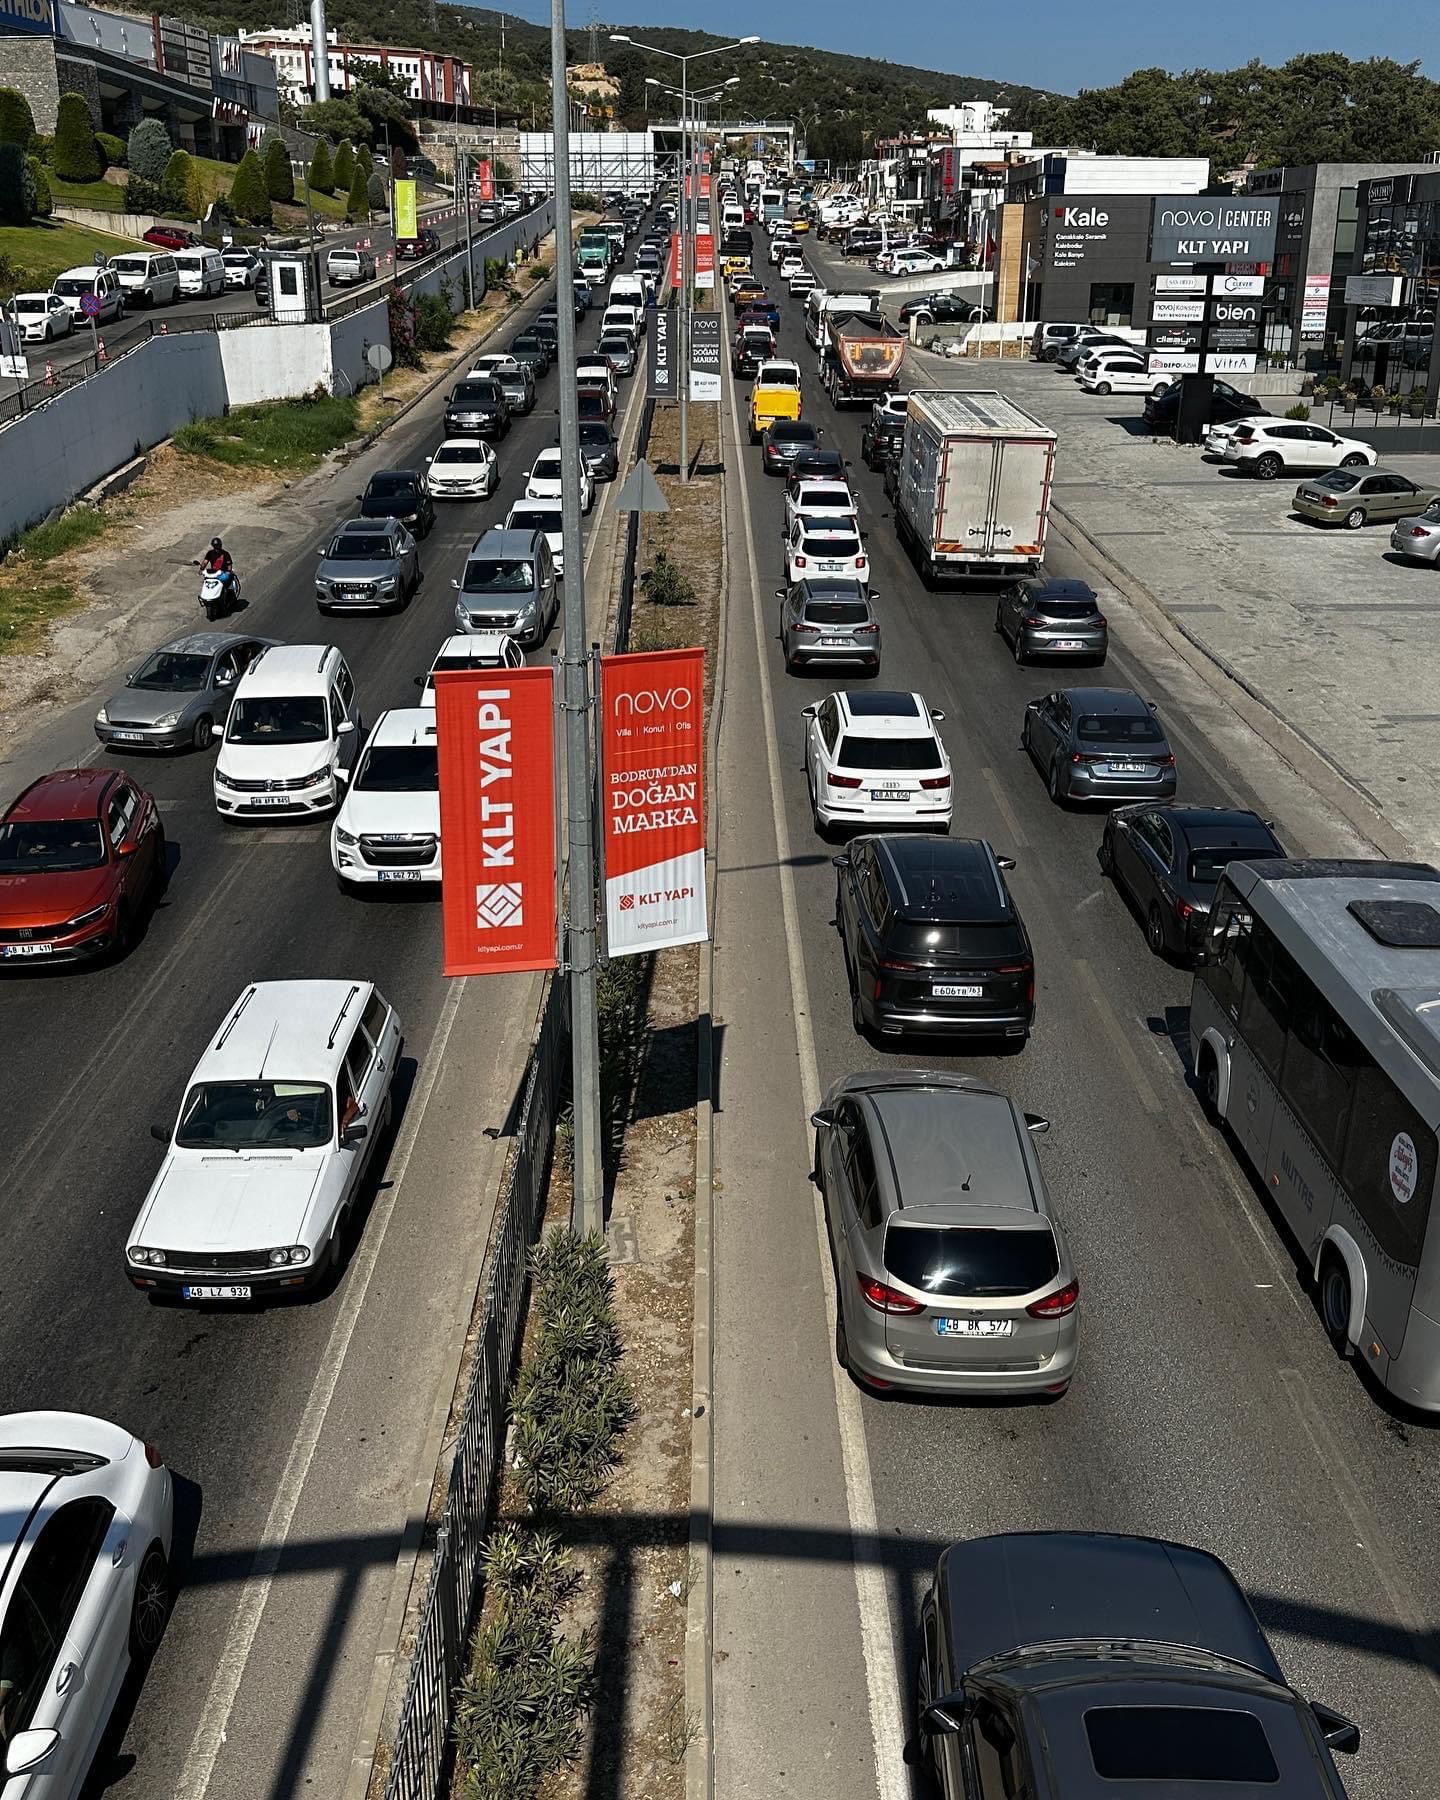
point(366, 157)
point(1298, 411)
point(433, 320)
point(142, 196)
point(17, 185)
point(74, 157)
point(583, 202)
point(279, 176)
point(42, 146)
point(358, 200)
point(536, 272)
point(148, 151)
point(497, 272)
point(175, 184)
point(321, 176)
point(665, 583)
point(344, 165)
point(17, 122)
point(377, 192)
point(111, 148)
point(44, 202)
point(250, 191)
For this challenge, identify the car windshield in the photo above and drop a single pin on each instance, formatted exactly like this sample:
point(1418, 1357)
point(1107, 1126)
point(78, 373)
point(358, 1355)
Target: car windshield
point(1118, 728)
point(475, 393)
point(1065, 609)
point(42, 846)
point(255, 1115)
point(386, 487)
point(968, 1262)
point(73, 286)
point(857, 752)
point(1208, 864)
point(29, 305)
point(592, 432)
point(278, 719)
point(399, 769)
point(459, 453)
point(616, 345)
point(1338, 481)
point(355, 547)
point(978, 940)
point(498, 575)
point(132, 265)
point(171, 671)
point(772, 375)
point(837, 612)
point(791, 433)
point(546, 468)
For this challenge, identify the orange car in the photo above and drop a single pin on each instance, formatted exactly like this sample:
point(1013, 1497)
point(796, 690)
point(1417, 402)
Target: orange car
point(82, 860)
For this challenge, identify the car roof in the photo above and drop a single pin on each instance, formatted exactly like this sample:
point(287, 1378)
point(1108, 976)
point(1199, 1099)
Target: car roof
point(292, 668)
point(954, 880)
point(203, 643)
point(504, 540)
point(833, 587)
point(886, 713)
point(1209, 827)
point(1121, 702)
point(279, 1030)
point(367, 527)
point(954, 1148)
point(393, 475)
point(472, 645)
point(1024, 1588)
point(481, 449)
point(63, 794)
point(404, 725)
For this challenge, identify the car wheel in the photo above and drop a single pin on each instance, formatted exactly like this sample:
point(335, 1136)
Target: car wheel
point(857, 1010)
point(998, 625)
point(1353, 461)
point(152, 1606)
point(1055, 791)
point(1267, 468)
point(124, 929)
point(1156, 392)
point(925, 1758)
point(1355, 518)
point(1017, 649)
point(1335, 1301)
point(1102, 387)
point(1105, 855)
point(204, 730)
point(1155, 930)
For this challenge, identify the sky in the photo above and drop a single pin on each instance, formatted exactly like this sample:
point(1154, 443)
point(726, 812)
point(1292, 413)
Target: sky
point(1048, 44)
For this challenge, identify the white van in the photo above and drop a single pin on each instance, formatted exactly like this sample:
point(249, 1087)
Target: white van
point(75, 284)
point(202, 273)
point(292, 735)
point(629, 290)
point(732, 216)
point(149, 278)
point(629, 319)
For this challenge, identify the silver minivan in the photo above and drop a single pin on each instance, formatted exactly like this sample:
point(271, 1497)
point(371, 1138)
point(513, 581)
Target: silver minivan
point(509, 585)
point(952, 1274)
point(149, 277)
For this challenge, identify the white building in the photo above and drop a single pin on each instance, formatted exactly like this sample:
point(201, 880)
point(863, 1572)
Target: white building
point(977, 116)
point(427, 74)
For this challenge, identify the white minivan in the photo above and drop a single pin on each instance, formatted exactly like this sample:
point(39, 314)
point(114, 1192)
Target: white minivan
point(627, 319)
point(202, 273)
point(149, 278)
point(291, 737)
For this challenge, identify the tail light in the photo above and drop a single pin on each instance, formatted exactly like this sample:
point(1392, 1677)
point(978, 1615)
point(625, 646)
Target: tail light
point(1183, 910)
point(153, 1457)
point(800, 564)
point(843, 781)
point(859, 562)
point(935, 781)
point(1419, 531)
point(1164, 762)
point(887, 1299)
point(1056, 1306)
point(800, 625)
point(1328, 500)
point(1084, 756)
point(1032, 619)
point(1100, 619)
point(864, 630)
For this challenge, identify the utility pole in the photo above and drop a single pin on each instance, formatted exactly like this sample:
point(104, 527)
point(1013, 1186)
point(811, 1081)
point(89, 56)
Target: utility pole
point(684, 272)
point(588, 1206)
point(462, 175)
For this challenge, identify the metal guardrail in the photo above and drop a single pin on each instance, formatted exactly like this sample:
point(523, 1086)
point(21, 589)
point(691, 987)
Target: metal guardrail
point(420, 1757)
point(626, 609)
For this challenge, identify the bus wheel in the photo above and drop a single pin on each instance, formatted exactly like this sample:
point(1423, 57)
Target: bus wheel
point(1335, 1301)
point(1210, 1087)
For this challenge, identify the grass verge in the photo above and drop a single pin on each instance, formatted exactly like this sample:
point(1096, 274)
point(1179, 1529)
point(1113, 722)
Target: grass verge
point(29, 602)
point(101, 195)
point(278, 434)
point(32, 255)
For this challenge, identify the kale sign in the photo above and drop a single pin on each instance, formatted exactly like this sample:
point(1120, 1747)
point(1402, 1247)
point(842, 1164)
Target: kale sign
point(1199, 228)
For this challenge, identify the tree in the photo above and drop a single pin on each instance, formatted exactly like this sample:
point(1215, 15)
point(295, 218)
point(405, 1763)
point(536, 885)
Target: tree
point(17, 122)
point(335, 119)
point(17, 185)
point(359, 199)
point(365, 157)
point(178, 189)
point(279, 176)
point(250, 191)
point(148, 151)
point(74, 157)
point(376, 193)
point(366, 73)
point(388, 116)
point(44, 202)
point(344, 165)
point(111, 148)
point(321, 176)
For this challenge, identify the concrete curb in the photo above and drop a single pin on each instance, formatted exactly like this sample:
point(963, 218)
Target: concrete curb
point(1312, 764)
point(388, 1663)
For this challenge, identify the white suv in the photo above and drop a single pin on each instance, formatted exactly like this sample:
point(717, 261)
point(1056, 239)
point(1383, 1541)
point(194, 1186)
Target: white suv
point(1266, 448)
point(388, 827)
point(264, 1164)
point(873, 759)
point(465, 652)
point(291, 736)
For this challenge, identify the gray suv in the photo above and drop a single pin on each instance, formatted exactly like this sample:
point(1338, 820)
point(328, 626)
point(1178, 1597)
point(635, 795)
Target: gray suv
point(951, 1271)
point(509, 585)
point(828, 622)
point(370, 565)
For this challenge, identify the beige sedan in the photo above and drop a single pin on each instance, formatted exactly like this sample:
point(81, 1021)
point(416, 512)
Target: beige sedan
point(1356, 497)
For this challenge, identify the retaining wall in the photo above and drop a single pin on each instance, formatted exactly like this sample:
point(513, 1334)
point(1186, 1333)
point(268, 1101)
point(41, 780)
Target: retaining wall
point(118, 224)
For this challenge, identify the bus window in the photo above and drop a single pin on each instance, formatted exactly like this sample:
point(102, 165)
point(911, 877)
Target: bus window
point(1223, 970)
point(1322, 1061)
point(1265, 1009)
point(1389, 1165)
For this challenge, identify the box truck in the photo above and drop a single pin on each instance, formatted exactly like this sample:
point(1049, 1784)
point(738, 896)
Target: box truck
point(972, 486)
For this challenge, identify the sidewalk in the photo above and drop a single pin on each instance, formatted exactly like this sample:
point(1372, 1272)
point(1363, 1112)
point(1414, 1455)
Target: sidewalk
point(1321, 625)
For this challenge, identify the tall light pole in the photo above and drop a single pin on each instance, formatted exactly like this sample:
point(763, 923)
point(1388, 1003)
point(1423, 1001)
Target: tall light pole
point(587, 1211)
point(621, 37)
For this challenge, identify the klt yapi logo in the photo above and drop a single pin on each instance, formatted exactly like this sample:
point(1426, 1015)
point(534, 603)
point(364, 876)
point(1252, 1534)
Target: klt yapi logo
point(498, 903)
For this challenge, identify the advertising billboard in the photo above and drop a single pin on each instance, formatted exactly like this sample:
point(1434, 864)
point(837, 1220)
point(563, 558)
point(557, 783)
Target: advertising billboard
point(33, 17)
point(653, 787)
point(1173, 362)
point(660, 381)
point(495, 730)
point(1191, 228)
point(1315, 306)
point(1373, 290)
point(705, 356)
point(704, 260)
point(1174, 312)
point(485, 180)
point(1181, 284)
point(406, 221)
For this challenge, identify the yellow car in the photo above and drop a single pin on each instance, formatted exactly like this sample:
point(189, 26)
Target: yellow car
point(735, 265)
point(776, 395)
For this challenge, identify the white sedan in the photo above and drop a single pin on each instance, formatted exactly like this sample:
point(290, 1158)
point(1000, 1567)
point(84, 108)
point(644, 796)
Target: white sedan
point(387, 830)
point(42, 317)
point(462, 469)
point(466, 651)
point(876, 759)
point(821, 544)
point(85, 1590)
point(790, 264)
point(1123, 377)
point(546, 478)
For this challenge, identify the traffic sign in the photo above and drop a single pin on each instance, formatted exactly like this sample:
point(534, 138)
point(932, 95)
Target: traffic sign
point(90, 305)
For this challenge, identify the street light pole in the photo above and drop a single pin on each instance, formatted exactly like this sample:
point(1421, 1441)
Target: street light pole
point(684, 276)
point(462, 173)
point(587, 1212)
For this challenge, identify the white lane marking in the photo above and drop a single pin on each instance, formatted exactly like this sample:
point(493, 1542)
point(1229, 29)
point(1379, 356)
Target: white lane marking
point(877, 1640)
point(209, 1737)
point(1005, 809)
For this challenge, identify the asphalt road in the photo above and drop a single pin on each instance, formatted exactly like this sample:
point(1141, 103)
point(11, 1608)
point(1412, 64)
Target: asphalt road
point(1208, 1405)
point(245, 1405)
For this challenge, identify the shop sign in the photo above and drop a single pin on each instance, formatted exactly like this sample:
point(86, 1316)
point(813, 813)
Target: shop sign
point(1373, 290)
point(1213, 228)
point(1170, 312)
point(1181, 284)
point(1315, 305)
point(1174, 337)
point(1231, 362)
point(1238, 284)
point(1172, 362)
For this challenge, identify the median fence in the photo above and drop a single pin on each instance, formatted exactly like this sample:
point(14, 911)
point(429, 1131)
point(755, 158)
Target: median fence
point(420, 1756)
point(625, 610)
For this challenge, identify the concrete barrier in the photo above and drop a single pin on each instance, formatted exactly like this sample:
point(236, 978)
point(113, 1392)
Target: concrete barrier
point(118, 224)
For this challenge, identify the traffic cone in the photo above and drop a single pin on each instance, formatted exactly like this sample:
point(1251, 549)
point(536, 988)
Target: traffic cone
point(100, 350)
point(49, 374)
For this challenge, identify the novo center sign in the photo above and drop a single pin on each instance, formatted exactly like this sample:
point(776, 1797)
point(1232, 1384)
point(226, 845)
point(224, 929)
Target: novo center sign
point(1191, 228)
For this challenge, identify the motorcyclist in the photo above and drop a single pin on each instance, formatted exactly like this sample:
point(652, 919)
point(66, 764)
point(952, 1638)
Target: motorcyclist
point(218, 561)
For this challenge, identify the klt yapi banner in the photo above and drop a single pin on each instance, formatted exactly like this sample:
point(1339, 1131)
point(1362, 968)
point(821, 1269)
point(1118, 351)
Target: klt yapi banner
point(495, 734)
point(652, 786)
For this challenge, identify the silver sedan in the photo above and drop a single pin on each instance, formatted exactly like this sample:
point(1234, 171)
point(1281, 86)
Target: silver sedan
point(1417, 538)
point(179, 697)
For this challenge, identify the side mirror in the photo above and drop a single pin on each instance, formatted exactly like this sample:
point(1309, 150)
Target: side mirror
point(420, 681)
point(160, 1134)
point(128, 848)
point(344, 728)
point(355, 1134)
point(822, 1118)
point(455, 584)
point(780, 592)
point(1005, 862)
point(807, 712)
point(1037, 1123)
point(1340, 1733)
point(940, 1720)
point(938, 715)
point(28, 1749)
point(842, 861)
point(1151, 704)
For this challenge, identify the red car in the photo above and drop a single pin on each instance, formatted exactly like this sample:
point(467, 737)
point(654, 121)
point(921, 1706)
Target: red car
point(170, 237)
point(426, 244)
point(82, 858)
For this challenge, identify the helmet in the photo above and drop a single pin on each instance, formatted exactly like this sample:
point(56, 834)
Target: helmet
point(215, 544)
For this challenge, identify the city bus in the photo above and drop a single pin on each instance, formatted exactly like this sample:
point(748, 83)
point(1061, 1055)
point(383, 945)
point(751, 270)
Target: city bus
point(1315, 1034)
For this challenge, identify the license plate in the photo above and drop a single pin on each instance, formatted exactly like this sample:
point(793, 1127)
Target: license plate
point(29, 949)
point(216, 1293)
point(128, 737)
point(1127, 768)
point(954, 990)
point(888, 794)
point(267, 800)
point(975, 1328)
point(397, 874)
point(831, 568)
point(1070, 644)
point(835, 643)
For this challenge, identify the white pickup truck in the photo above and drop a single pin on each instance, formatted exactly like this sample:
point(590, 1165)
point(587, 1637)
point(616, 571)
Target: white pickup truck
point(346, 267)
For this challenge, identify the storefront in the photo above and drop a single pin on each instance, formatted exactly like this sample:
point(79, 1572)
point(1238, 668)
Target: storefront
point(1391, 298)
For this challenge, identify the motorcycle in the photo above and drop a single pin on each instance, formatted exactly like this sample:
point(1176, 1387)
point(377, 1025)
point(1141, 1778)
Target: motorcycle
point(219, 591)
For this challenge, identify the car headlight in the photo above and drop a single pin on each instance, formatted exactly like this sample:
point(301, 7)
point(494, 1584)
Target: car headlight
point(102, 717)
point(154, 1259)
point(323, 581)
point(290, 1253)
point(223, 780)
point(315, 779)
point(386, 583)
point(170, 718)
point(88, 918)
point(347, 838)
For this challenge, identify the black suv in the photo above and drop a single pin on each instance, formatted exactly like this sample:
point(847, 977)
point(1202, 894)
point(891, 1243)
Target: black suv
point(880, 439)
point(1069, 1665)
point(934, 945)
point(399, 494)
point(534, 352)
point(477, 408)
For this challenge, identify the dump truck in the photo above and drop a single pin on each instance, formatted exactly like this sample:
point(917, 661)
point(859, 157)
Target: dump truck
point(820, 301)
point(972, 486)
point(860, 357)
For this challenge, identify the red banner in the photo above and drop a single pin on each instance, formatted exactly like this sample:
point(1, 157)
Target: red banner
point(653, 783)
point(674, 259)
point(486, 181)
point(704, 260)
point(704, 187)
point(495, 732)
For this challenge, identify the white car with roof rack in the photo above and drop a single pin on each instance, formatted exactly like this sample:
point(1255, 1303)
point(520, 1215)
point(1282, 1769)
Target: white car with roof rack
point(291, 735)
point(470, 650)
point(266, 1160)
point(387, 831)
point(874, 758)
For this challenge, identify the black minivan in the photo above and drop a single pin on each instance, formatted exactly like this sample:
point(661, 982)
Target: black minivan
point(934, 944)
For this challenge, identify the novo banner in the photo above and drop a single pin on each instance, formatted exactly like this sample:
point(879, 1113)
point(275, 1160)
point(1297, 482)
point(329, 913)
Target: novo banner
point(1177, 312)
point(495, 729)
point(406, 221)
point(652, 784)
point(1191, 228)
point(705, 353)
point(704, 260)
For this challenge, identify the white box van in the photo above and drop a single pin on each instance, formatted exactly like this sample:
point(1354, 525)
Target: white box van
point(149, 278)
point(732, 216)
point(202, 273)
point(629, 290)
